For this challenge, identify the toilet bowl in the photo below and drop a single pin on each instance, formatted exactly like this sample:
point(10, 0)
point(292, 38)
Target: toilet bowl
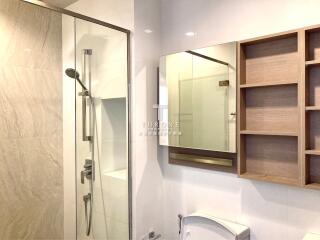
point(203, 226)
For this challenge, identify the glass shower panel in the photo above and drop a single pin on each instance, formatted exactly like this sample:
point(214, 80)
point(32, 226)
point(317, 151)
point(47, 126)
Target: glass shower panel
point(102, 133)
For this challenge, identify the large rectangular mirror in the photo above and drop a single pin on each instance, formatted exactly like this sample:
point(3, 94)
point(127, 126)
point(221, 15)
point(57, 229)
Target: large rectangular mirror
point(197, 99)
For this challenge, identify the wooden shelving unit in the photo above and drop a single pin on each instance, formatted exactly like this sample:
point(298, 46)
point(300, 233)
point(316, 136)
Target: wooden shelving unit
point(279, 108)
point(311, 117)
point(269, 76)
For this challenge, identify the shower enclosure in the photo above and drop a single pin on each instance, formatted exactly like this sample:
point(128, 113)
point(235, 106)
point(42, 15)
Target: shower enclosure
point(64, 106)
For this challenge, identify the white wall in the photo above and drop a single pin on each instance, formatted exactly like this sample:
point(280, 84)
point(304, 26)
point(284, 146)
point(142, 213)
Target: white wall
point(116, 12)
point(219, 21)
point(148, 194)
point(271, 211)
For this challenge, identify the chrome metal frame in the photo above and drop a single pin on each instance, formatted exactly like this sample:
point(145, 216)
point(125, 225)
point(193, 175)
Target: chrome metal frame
point(208, 58)
point(128, 33)
point(76, 15)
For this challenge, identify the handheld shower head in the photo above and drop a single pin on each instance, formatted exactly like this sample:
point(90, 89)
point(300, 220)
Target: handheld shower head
point(72, 73)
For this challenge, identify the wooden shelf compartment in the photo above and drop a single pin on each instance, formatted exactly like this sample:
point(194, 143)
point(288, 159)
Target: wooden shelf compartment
point(270, 61)
point(312, 115)
point(313, 171)
point(269, 111)
point(273, 179)
point(270, 158)
point(313, 86)
point(313, 46)
point(313, 130)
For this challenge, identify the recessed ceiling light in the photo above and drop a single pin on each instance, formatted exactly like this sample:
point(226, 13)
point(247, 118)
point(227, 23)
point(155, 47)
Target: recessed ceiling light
point(190, 34)
point(148, 31)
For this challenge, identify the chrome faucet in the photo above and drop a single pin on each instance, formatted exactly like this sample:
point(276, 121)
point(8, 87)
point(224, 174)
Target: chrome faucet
point(88, 171)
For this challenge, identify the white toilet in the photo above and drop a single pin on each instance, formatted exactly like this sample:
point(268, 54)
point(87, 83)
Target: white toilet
point(311, 236)
point(202, 226)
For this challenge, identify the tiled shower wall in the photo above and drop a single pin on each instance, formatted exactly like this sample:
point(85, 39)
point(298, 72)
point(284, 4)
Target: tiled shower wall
point(31, 173)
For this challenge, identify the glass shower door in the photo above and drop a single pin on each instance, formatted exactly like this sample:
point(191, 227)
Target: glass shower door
point(101, 133)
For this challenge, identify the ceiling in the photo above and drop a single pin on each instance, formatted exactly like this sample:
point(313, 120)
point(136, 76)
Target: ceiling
point(60, 3)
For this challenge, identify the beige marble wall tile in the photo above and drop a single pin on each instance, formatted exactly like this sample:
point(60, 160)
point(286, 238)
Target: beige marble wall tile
point(30, 36)
point(30, 102)
point(30, 196)
point(31, 167)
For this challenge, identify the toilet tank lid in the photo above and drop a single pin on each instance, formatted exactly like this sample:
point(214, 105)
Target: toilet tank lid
point(238, 230)
point(311, 236)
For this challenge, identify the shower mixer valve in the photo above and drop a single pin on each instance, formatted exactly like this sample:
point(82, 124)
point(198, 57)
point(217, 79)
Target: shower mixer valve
point(88, 171)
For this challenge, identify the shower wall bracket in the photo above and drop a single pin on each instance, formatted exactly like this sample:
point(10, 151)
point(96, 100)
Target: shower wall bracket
point(86, 93)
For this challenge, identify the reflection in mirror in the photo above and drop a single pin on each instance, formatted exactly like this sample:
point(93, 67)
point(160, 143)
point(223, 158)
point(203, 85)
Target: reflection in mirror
point(197, 103)
point(60, 3)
